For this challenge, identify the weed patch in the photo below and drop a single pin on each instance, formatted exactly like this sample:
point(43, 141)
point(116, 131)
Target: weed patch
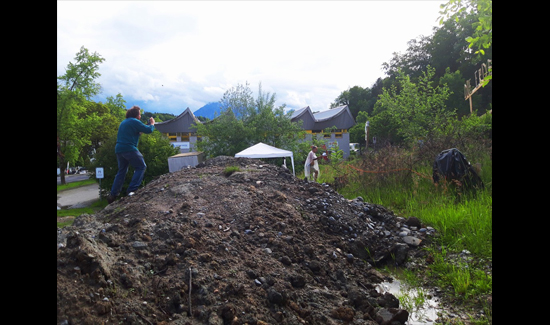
point(63, 214)
point(230, 170)
point(400, 180)
point(75, 184)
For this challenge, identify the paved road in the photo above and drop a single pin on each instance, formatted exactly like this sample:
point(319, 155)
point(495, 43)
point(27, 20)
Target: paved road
point(78, 197)
point(73, 178)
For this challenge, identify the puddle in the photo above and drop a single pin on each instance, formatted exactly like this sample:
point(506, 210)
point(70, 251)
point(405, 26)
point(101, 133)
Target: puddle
point(420, 304)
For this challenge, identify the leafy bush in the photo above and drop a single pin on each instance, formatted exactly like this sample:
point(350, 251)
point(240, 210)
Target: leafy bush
point(156, 149)
point(245, 121)
point(412, 112)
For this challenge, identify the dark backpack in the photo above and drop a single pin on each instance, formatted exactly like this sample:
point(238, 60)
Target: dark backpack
point(452, 164)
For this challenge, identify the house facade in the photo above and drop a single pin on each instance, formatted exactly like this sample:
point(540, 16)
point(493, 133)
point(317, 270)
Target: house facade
point(338, 118)
point(181, 135)
point(179, 131)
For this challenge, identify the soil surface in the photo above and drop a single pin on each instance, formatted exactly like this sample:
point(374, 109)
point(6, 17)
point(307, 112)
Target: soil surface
point(258, 246)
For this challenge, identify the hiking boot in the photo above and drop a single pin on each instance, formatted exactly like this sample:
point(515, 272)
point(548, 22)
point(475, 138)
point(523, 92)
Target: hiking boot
point(110, 199)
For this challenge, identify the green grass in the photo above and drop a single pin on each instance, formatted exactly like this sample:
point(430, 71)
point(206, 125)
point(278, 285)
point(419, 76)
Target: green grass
point(464, 225)
point(230, 170)
point(93, 208)
point(75, 184)
point(463, 222)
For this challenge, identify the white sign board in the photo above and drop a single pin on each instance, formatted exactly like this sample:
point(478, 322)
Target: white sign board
point(99, 172)
point(181, 145)
point(58, 171)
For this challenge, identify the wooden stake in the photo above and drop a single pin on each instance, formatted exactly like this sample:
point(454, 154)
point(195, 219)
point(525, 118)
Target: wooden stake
point(190, 313)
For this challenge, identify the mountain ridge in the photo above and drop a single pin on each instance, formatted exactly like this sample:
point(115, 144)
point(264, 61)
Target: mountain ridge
point(209, 110)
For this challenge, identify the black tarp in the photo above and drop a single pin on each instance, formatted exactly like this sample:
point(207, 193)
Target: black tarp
point(451, 164)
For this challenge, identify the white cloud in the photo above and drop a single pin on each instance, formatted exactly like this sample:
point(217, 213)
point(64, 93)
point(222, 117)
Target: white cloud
point(177, 54)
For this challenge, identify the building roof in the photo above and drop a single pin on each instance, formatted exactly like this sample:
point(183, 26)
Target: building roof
point(340, 117)
point(300, 112)
point(304, 114)
point(181, 123)
point(330, 113)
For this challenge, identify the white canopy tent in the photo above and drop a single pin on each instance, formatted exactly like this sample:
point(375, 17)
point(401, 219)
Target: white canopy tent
point(262, 150)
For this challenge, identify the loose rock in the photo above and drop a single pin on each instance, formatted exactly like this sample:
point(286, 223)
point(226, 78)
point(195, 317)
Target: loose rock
point(199, 247)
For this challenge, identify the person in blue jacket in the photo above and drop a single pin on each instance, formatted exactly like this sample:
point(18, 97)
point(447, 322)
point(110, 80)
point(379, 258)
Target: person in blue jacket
point(127, 152)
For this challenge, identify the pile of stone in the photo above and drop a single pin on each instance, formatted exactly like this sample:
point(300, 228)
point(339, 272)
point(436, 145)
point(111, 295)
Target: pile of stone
point(258, 246)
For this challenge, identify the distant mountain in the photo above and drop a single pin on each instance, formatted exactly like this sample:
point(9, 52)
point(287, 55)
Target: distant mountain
point(209, 110)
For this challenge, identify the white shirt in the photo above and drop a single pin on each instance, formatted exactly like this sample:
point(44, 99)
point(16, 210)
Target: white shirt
point(307, 165)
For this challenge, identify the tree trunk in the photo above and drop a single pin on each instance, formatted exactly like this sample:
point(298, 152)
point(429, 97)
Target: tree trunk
point(62, 167)
point(61, 162)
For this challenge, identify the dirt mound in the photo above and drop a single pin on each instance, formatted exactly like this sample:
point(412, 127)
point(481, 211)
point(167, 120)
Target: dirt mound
point(257, 246)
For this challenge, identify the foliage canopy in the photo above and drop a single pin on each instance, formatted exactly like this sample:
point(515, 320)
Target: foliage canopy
point(73, 89)
point(245, 121)
point(85, 127)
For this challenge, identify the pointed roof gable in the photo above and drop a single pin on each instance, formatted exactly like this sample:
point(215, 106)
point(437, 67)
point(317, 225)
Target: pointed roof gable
point(300, 112)
point(181, 123)
point(306, 116)
point(339, 116)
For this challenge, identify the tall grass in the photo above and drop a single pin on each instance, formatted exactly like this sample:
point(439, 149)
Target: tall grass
point(464, 225)
point(401, 180)
point(462, 217)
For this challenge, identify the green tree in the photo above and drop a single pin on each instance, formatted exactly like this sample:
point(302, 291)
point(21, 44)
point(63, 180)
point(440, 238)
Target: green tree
point(73, 88)
point(239, 101)
point(156, 149)
point(270, 124)
point(357, 132)
point(482, 37)
point(456, 101)
point(446, 48)
point(244, 121)
point(159, 117)
point(413, 62)
point(104, 128)
point(225, 135)
point(117, 106)
point(228, 133)
point(417, 112)
point(357, 98)
point(361, 99)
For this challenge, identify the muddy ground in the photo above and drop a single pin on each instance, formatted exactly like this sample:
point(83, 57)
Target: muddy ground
point(258, 246)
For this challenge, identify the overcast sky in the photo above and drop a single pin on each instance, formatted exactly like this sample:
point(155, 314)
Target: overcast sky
point(168, 55)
